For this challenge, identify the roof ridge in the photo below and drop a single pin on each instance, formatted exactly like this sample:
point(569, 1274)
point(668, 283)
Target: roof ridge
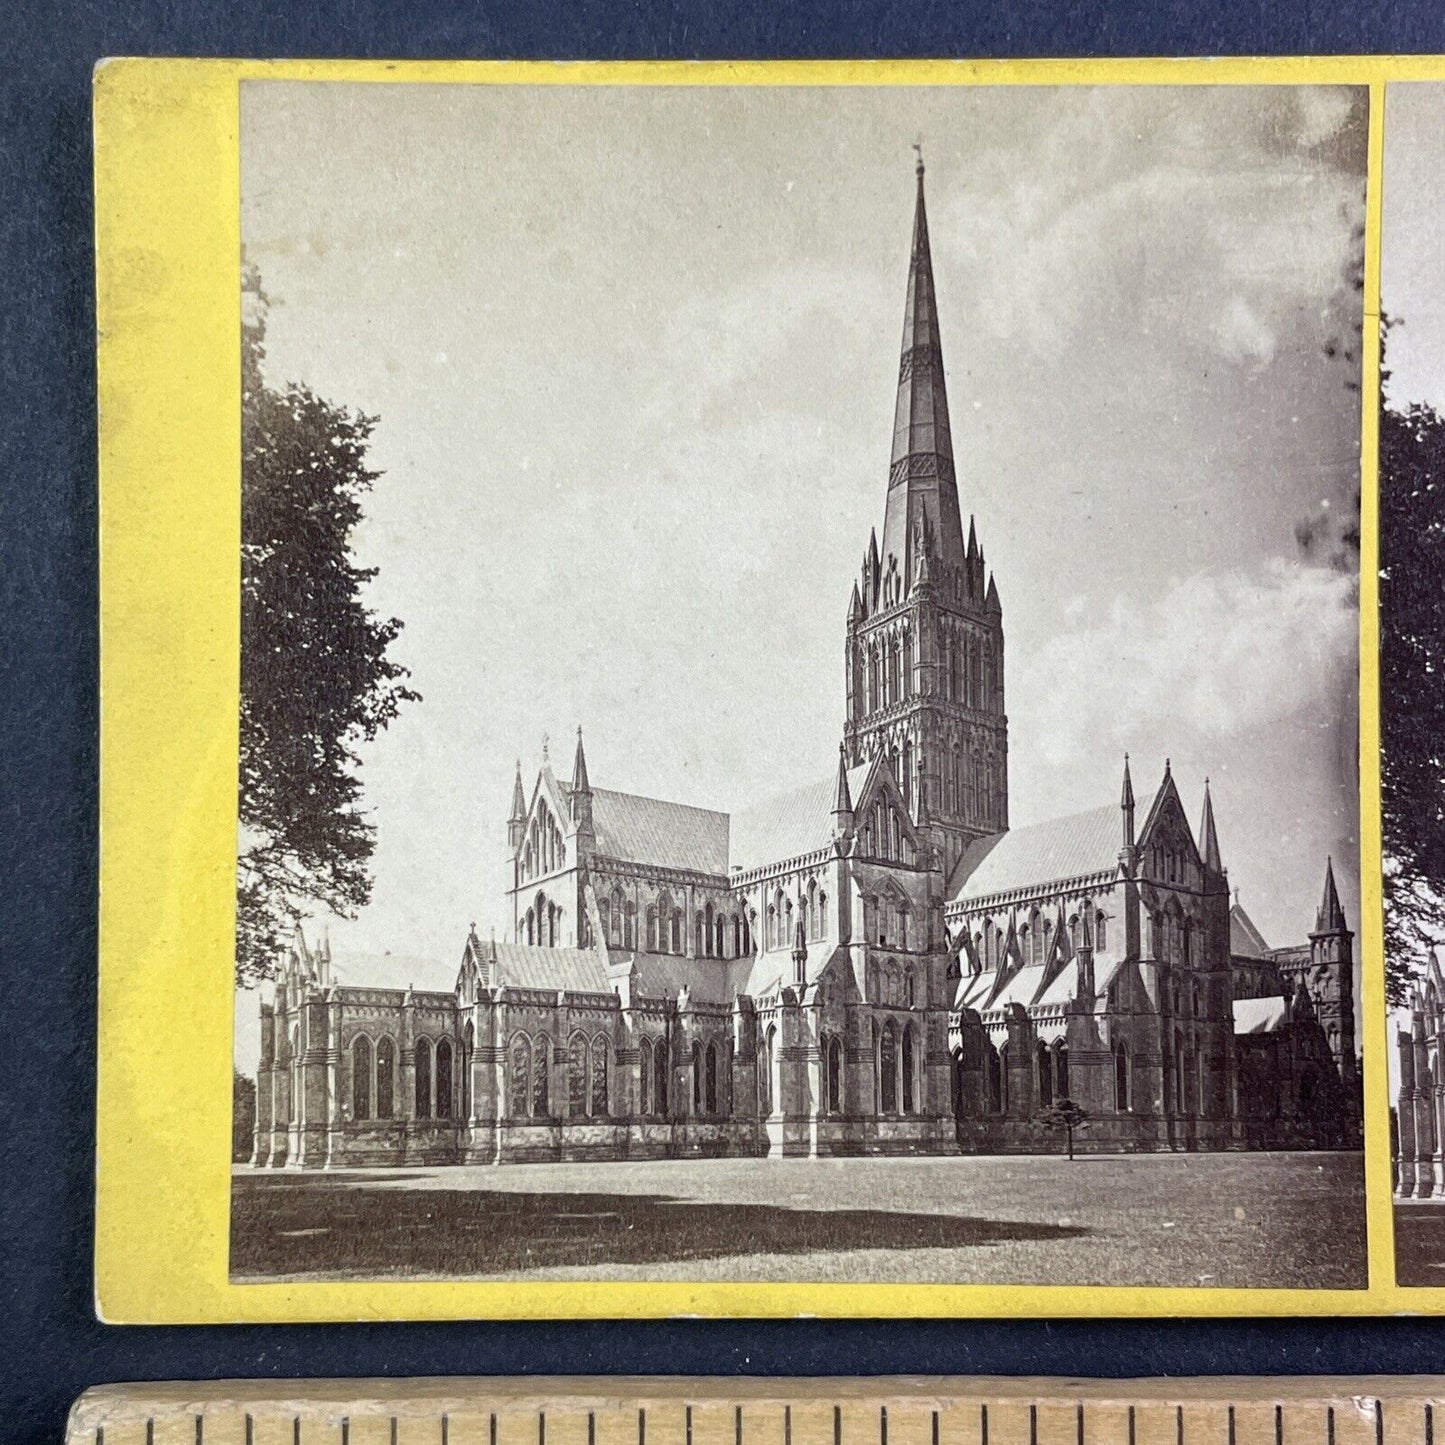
point(664, 802)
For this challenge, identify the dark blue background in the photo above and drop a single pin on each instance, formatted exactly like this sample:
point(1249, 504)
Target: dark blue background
point(52, 1347)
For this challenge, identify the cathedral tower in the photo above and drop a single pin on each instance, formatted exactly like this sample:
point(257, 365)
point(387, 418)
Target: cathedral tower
point(925, 626)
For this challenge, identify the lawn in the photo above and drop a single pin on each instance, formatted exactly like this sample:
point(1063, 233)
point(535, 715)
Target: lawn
point(1171, 1219)
point(1420, 1242)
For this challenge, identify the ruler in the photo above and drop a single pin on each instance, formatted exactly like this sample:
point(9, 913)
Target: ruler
point(1398, 1410)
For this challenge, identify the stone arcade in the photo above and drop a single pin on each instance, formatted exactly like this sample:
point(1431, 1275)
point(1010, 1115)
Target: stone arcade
point(873, 963)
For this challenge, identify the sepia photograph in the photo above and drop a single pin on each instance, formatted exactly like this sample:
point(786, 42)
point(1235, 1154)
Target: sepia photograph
point(799, 683)
point(1412, 655)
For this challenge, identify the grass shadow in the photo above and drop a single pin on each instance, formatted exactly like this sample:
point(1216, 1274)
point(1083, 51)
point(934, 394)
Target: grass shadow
point(294, 1227)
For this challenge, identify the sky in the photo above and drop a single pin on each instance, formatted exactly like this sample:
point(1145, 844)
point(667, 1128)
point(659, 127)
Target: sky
point(634, 351)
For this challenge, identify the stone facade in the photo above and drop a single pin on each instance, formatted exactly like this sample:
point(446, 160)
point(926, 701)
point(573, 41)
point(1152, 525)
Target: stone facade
point(873, 963)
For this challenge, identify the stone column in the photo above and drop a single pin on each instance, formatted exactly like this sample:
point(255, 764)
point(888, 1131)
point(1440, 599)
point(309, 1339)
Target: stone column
point(261, 1133)
point(1424, 1112)
point(1405, 1115)
point(313, 1106)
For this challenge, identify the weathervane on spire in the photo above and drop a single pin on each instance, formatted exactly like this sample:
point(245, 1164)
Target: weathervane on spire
point(918, 151)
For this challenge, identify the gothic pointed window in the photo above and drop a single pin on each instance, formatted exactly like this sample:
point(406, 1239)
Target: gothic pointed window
point(1121, 1077)
point(597, 1103)
point(542, 1077)
point(651, 929)
point(361, 1077)
point(520, 1076)
point(835, 1074)
point(909, 1105)
point(888, 1070)
point(1178, 1072)
point(577, 1076)
point(677, 928)
point(385, 1079)
point(1046, 1075)
point(709, 1090)
point(1101, 936)
point(660, 1074)
point(629, 925)
point(907, 664)
point(822, 915)
point(696, 1076)
point(1003, 1079)
point(644, 1077)
point(444, 1079)
point(423, 1079)
point(993, 1075)
point(1061, 1069)
point(1074, 930)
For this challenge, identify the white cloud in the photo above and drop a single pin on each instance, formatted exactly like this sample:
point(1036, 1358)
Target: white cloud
point(1243, 335)
point(1212, 658)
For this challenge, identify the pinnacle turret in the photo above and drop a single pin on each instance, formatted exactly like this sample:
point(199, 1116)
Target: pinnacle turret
point(1331, 917)
point(579, 768)
point(1126, 805)
point(1208, 837)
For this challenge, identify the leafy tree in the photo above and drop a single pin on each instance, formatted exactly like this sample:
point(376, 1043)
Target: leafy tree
point(1412, 684)
point(317, 680)
point(1063, 1116)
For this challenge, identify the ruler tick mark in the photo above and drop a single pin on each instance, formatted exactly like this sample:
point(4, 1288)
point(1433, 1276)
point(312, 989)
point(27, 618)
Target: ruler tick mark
point(1033, 1425)
point(883, 1425)
point(738, 1425)
point(837, 1425)
point(200, 1427)
point(346, 1430)
point(295, 1430)
point(492, 1432)
point(1079, 1424)
point(591, 1427)
point(151, 1430)
point(393, 1431)
point(787, 1425)
point(983, 1424)
point(689, 1425)
point(250, 1429)
point(1279, 1425)
point(1231, 1425)
point(1179, 1425)
point(641, 1427)
point(1379, 1422)
point(1330, 1425)
point(935, 1427)
point(1429, 1424)
point(541, 1428)
point(446, 1428)
point(1131, 1425)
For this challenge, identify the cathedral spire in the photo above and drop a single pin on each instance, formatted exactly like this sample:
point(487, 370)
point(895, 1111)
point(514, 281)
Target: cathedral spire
point(579, 768)
point(1208, 838)
point(920, 474)
point(842, 801)
point(1331, 917)
point(1126, 804)
point(517, 822)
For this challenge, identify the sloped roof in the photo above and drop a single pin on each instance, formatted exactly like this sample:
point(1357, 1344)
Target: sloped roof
point(392, 970)
point(792, 823)
point(665, 975)
point(1245, 940)
point(1260, 1015)
point(668, 835)
point(523, 965)
point(1038, 854)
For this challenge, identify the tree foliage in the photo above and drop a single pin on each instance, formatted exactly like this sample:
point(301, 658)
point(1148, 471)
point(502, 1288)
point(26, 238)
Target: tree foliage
point(317, 680)
point(1412, 684)
point(1064, 1117)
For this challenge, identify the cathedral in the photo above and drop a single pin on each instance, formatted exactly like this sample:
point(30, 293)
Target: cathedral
point(871, 963)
